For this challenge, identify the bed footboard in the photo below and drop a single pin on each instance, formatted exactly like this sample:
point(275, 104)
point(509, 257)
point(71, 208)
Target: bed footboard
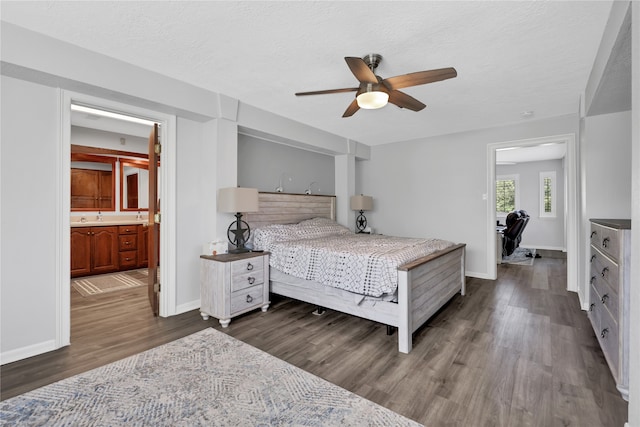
point(424, 286)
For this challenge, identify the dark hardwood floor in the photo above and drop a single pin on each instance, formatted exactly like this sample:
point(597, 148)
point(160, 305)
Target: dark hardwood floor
point(517, 351)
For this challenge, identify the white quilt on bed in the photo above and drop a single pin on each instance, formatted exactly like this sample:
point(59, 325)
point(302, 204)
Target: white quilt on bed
point(360, 263)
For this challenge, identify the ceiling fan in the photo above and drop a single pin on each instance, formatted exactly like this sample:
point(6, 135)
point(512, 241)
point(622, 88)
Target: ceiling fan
point(374, 91)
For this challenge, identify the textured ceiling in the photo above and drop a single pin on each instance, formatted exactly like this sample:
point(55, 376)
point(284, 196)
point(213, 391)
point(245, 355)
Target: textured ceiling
point(510, 56)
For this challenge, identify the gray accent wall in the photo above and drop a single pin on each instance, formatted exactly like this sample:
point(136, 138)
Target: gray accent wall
point(262, 163)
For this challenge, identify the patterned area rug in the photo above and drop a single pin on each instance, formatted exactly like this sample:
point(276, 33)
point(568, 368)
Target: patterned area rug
point(92, 285)
point(205, 379)
point(521, 256)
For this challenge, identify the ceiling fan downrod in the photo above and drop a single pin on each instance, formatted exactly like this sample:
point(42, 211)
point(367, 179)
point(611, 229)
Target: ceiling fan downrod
point(372, 60)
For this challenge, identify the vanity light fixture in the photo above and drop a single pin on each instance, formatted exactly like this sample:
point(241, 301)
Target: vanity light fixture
point(361, 203)
point(238, 200)
point(111, 115)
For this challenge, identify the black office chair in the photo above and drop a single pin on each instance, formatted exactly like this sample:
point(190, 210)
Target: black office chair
point(516, 222)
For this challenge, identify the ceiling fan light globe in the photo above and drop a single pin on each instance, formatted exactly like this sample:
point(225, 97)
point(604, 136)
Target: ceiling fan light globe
point(372, 100)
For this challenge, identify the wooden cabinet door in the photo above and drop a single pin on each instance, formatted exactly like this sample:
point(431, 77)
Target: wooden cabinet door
point(105, 190)
point(143, 244)
point(84, 188)
point(80, 251)
point(105, 249)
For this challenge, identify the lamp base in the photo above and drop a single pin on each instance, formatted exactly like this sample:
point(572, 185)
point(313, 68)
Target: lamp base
point(238, 250)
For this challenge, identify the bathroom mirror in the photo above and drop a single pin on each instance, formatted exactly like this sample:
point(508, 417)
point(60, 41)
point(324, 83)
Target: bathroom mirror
point(93, 183)
point(134, 185)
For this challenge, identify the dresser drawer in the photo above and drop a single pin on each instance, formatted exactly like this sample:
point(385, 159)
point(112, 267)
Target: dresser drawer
point(608, 296)
point(128, 242)
point(128, 259)
point(608, 338)
point(606, 239)
point(246, 299)
point(604, 267)
point(595, 308)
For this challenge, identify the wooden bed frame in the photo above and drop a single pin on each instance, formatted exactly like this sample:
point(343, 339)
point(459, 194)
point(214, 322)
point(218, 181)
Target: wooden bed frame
point(424, 285)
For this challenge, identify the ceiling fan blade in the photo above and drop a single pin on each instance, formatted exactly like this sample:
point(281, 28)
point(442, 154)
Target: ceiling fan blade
point(324, 92)
point(403, 100)
point(420, 78)
point(351, 109)
point(361, 70)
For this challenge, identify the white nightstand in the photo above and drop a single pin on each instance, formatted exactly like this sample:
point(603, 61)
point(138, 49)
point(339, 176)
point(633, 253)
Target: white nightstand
point(232, 284)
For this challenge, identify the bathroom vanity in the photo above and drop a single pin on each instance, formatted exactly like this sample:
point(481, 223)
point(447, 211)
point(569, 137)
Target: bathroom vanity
point(112, 244)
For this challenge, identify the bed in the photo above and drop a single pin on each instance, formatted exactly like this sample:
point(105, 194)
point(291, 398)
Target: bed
point(423, 284)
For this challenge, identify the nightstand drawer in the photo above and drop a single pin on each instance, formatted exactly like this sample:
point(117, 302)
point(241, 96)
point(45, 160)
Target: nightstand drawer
point(251, 265)
point(246, 299)
point(246, 280)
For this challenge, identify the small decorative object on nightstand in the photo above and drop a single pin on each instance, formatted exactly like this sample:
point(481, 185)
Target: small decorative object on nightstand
point(361, 203)
point(233, 284)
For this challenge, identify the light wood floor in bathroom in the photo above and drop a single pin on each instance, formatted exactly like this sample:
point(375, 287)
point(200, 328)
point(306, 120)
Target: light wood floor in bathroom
point(513, 352)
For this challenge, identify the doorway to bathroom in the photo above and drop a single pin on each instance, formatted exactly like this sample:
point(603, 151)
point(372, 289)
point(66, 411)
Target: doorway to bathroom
point(108, 251)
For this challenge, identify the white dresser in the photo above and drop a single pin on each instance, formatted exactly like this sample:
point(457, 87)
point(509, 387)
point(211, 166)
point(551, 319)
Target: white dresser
point(233, 284)
point(609, 294)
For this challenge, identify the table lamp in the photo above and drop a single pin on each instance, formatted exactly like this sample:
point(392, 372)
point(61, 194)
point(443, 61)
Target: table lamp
point(238, 200)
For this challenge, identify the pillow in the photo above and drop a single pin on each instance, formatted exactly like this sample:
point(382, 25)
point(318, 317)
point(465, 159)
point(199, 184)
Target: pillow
point(320, 227)
point(263, 237)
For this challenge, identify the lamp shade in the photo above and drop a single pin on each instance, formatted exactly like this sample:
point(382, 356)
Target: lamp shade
point(238, 199)
point(361, 203)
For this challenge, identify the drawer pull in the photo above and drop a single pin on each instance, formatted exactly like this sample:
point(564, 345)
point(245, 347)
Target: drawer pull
point(591, 306)
point(604, 299)
point(605, 242)
point(604, 271)
point(604, 332)
point(592, 258)
point(251, 280)
point(249, 266)
point(593, 279)
point(127, 243)
point(249, 298)
point(594, 233)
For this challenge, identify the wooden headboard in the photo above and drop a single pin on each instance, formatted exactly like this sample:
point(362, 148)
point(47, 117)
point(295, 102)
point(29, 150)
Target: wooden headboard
point(284, 208)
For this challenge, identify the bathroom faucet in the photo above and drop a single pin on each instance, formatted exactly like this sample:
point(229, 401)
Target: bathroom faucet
point(99, 216)
point(139, 216)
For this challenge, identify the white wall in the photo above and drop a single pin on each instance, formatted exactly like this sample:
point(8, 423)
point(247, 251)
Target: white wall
point(109, 140)
point(634, 341)
point(607, 164)
point(29, 219)
point(434, 187)
point(192, 191)
point(540, 233)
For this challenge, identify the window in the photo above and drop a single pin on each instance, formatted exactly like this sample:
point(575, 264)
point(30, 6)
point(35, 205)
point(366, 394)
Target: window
point(507, 197)
point(548, 194)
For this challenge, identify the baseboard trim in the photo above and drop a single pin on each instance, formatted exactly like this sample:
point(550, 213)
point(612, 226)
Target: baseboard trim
point(26, 352)
point(191, 305)
point(546, 248)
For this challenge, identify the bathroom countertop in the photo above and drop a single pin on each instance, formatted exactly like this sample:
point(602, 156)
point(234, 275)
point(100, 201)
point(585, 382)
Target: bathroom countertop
point(108, 220)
